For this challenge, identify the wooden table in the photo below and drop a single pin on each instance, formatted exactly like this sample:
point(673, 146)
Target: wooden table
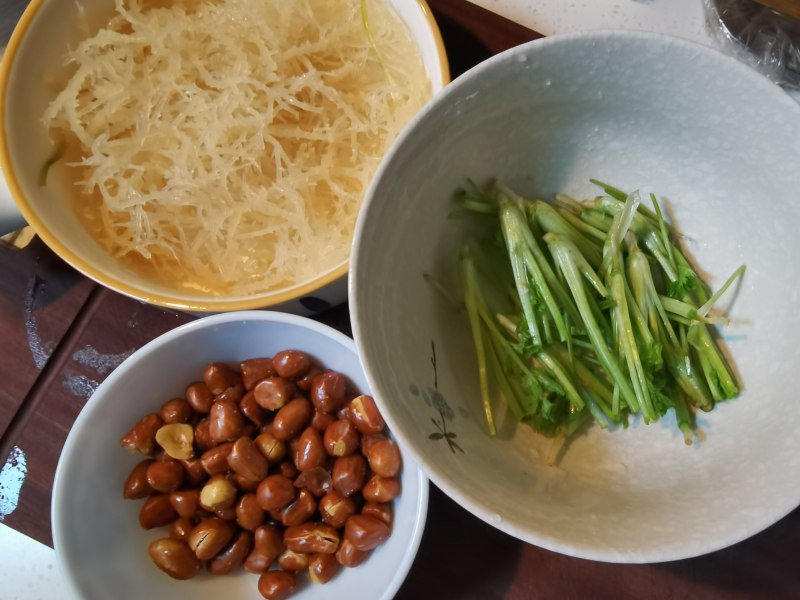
point(62, 335)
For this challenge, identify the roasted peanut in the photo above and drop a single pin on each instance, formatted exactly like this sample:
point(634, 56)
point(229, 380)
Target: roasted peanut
point(275, 492)
point(215, 460)
point(185, 502)
point(199, 397)
point(234, 394)
point(300, 510)
point(276, 585)
point(174, 557)
point(322, 567)
point(142, 437)
point(249, 514)
point(218, 493)
point(210, 536)
point(218, 377)
point(227, 513)
point(271, 447)
point(181, 528)
point(341, 438)
point(384, 458)
point(381, 489)
point(267, 546)
point(156, 511)
point(318, 481)
point(363, 413)
point(349, 556)
point(367, 441)
point(176, 410)
point(312, 537)
point(365, 532)
point(291, 364)
point(289, 560)
point(327, 391)
point(195, 472)
point(310, 452)
point(349, 473)
point(225, 422)
point(252, 409)
point(335, 509)
point(202, 435)
point(288, 470)
point(232, 556)
point(136, 485)
point(273, 392)
point(379, 510)
point(321, 421)
point(254, 370)
point(291, 419)
point(177, 440)
point(165, 475)
point(247, 460)
point(244, 484)
point(304, 382)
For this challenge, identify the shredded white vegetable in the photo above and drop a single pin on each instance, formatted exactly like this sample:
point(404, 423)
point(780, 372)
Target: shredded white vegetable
point(226, 145)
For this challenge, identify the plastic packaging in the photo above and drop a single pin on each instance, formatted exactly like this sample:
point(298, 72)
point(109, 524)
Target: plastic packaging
point(760, 36)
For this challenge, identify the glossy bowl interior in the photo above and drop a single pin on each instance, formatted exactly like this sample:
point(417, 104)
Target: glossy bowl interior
point(721, 145)
point(102, 550)
point(32, 63)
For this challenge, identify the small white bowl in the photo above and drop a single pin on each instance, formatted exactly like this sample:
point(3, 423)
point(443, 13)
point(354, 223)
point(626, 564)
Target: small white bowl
point(722, 145)
point(102, 550)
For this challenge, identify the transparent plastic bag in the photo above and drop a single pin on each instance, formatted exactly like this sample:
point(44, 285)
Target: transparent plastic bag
point(760, 36)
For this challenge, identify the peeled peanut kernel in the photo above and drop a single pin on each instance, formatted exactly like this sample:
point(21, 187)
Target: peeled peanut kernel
point(384, 458)
point(312, 537)
point(210, 536)
point(142, 437)
point(322, 567)
point(365, 532)
point(364, 414)
point(137, 486)
point(291, 364)
point(177, 440)
point(174, 557)
point(218, 493)
point(156, 511)
point(276, 585)
point(341, 438)
point(289, 560)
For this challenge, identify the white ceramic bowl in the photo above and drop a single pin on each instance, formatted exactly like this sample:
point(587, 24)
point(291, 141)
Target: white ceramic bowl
point(722, 145)
point(33, 57)
point(102, 550)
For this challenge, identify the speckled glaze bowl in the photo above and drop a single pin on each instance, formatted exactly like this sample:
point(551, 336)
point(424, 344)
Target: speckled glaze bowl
point(34, 53)
point(721, 145)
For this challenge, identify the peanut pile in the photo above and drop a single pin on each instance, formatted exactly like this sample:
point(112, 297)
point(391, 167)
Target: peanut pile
point(272, 466)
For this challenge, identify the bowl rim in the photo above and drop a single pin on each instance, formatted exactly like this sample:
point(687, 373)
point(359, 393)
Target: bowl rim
point(211, 322)
point(438, 476)
point(199, 304)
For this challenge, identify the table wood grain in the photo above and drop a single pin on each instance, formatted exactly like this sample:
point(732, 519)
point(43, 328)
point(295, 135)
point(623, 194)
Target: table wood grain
point(62, 335)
